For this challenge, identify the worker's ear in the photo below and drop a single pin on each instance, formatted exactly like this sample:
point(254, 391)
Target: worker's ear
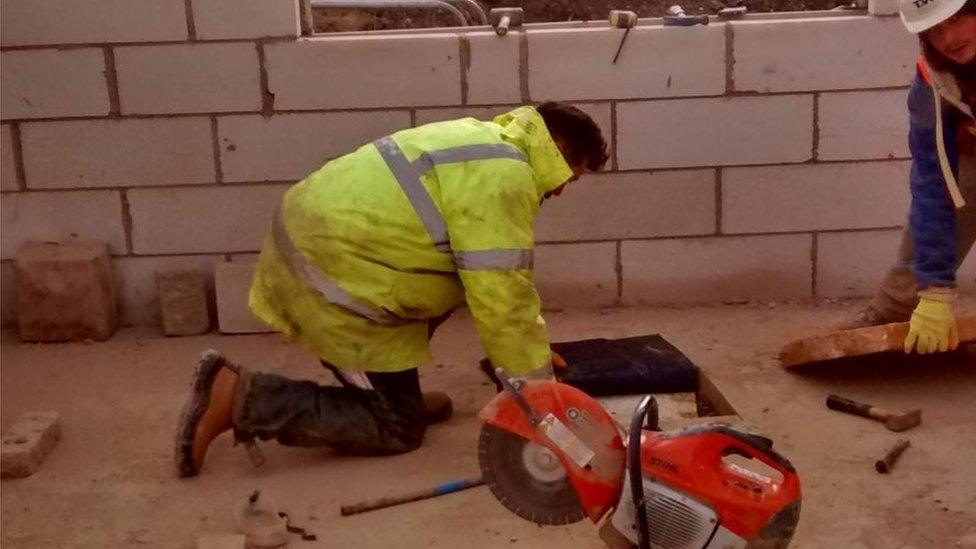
point(563, 147)
point(580, 167)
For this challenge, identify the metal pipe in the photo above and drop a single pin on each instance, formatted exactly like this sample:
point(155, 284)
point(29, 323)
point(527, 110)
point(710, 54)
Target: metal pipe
point(473, 8)
point(392, 4)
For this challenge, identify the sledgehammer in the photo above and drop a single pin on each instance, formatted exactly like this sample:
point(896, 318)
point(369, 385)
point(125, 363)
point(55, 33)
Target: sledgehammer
point(894, 422)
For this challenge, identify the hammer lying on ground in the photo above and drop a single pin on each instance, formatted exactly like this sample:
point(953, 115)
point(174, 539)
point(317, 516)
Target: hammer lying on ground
point(894, 422)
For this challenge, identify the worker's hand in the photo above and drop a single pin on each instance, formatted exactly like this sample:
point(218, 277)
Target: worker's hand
point(545, 373)
point(542, 374)
point(932, 328)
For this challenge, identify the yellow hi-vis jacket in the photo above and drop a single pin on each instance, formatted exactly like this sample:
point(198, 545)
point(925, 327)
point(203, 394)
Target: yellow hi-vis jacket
point(366, 249)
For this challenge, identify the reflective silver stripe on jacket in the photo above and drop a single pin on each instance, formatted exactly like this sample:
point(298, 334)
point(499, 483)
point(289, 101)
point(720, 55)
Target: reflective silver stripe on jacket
point(408, 174)
point(315, 279)
point(488, 260)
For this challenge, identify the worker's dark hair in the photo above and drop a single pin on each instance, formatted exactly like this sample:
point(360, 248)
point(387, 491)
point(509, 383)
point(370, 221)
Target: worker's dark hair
point(942, 63)
point(577, 131)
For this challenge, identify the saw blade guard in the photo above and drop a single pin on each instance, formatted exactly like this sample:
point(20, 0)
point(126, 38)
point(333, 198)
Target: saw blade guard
point(598, 480)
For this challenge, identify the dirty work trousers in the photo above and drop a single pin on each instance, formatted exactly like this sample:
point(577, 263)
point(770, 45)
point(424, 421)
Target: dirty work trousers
point(372, 413)
point(897, 297)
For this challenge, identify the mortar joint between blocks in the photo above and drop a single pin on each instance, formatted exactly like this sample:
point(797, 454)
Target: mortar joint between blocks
point(112, 83)
point(305, 19)
point(523, 69)
point(464, 56)
point(816, 127)
point(126, 220)
point(619, 271)
point(614, 162)
point(814, 252)
point(729, 58)
point(718, 201)
point(18, 150)
point(215, 141)
point(267, 97)
point(191, 27)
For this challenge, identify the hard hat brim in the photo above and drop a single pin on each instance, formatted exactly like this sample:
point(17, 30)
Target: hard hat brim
point(945, 10)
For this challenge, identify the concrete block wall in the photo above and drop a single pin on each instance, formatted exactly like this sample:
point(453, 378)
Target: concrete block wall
point(760, 159)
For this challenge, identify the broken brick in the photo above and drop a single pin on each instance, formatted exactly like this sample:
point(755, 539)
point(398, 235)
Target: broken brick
point(27, 443)
point(64, 292)
point(182, 302)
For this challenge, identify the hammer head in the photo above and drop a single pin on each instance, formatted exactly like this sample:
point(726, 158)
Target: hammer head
point(623, 19)
point(903, 422)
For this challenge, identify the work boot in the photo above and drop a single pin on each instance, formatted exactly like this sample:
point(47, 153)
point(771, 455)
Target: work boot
point(208, 412)
point(865, 318)
point(437, 407)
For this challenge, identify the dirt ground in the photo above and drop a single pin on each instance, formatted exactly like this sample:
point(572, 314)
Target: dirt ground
point(545, 11)
point(110, 482)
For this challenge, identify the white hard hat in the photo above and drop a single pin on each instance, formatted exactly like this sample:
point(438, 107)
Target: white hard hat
point(921, 15)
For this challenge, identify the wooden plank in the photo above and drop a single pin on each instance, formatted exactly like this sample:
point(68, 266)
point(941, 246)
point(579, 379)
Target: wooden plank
point(860, 342)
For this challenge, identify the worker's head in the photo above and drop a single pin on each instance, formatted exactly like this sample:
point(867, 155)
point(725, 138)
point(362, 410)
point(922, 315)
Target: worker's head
point(946, 28)
point(578, 137)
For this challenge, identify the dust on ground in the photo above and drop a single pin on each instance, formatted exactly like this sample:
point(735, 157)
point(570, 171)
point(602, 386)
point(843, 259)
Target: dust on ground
point(110, 482)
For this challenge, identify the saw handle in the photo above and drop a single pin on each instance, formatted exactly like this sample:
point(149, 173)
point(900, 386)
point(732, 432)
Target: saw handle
point(646, 408)
point(748, 446)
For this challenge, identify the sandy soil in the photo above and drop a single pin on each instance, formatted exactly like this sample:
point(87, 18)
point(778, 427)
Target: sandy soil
point(110, 482)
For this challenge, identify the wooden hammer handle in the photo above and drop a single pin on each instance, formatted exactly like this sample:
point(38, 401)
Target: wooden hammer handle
point(848, 406)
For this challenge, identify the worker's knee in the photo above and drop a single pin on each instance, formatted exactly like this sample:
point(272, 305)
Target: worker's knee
point(397, 430)
point(405, 434)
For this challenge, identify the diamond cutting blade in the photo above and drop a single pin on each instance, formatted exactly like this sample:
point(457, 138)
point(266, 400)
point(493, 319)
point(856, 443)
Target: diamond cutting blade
point(527, 478)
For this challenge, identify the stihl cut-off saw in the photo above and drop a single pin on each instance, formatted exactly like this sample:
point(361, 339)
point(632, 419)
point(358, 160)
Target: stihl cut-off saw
point(553, 455)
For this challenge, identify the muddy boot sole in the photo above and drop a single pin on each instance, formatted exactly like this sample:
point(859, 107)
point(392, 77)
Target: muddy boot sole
point(203, 377)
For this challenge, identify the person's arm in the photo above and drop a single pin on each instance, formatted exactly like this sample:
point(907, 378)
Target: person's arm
point(491, 230)
point(932, 225)
point(932, 218)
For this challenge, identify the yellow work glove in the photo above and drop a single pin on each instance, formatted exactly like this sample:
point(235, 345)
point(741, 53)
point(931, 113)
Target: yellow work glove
point(932, 328)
